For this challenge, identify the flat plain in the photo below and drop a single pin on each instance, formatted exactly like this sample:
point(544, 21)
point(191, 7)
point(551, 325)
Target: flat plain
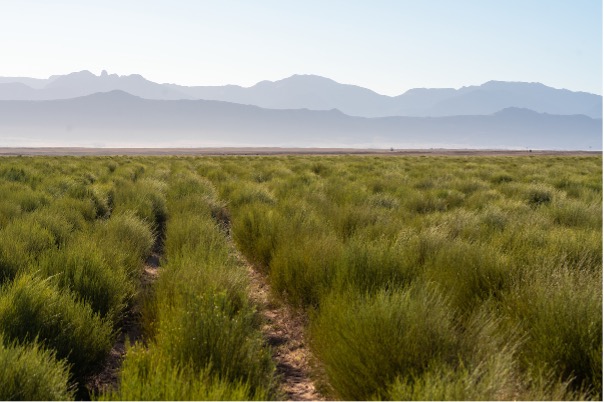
point(300, 274)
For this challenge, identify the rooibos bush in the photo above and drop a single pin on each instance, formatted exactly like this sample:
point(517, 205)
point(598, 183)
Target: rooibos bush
point(81, 267)
point(365, 342)
point(31, 373)
point(32, 308)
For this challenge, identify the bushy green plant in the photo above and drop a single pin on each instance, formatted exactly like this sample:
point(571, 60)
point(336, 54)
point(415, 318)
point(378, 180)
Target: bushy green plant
point(146, 198)
point(32, 308)
point(31, 373)
point(365, 342)
point(21, 242)
point(81, 267)
point(377, 263)
point(560, 310)
point(55, 221)
point(256, 233)
point(469, 274)
point(125, 240)
point(151, 375)
point(306, 269)
point(208, 329)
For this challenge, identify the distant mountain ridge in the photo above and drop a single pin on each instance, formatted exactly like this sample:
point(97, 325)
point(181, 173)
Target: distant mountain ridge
point(319, 93)
point(119, 119)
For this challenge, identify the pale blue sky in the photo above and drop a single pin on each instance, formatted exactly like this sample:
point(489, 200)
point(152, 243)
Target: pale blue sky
point(387, 46)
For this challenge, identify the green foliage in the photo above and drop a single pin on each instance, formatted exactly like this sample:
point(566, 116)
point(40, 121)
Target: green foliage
point(560, 310)
point(205, 341)
point(207, 329)
point(468, 273)
point(32, 308)
point(472, 228)
point(146, 197)
point(125, 240)
point(31, 373)
point(149, 375)
point(497, 259)
point(305, 269)
point(364, 342)
point(21, 243)
point(81, 267)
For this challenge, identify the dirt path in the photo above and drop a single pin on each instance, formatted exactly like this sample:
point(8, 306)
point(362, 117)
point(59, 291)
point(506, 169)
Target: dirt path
point(130, 331)
point(284, 331)
point(282, 328)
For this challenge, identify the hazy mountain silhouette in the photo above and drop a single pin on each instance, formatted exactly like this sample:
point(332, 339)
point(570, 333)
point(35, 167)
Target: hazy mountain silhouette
point(117, 118)
point(319, 93)
point(86, 83)
point(496, 95)
point(297, 92)
point(35, 83)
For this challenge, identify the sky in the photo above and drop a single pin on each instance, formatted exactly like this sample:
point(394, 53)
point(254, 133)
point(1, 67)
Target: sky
point(386, 46)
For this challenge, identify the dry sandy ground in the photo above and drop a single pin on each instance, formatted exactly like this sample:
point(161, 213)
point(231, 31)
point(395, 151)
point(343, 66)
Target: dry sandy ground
point(68, 151)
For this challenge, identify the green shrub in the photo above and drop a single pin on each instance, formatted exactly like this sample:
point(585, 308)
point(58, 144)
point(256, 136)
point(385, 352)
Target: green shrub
point(560, 310)
point(208, 329)
point(487, 368)
point(21, 174)
point(256, 233)
point(539, 195)
point(150, 375)
point(8, 211)
point(501, 178)
point(146, 197)
point(365, 342)
point(32, 308)
point(347, 221)
point(575, 213)
point(56, 222)
point(82, 268)
point(78, 212)
point(189, 233)
point(469, 273)
point(250, 193)
point(305, 269)
point(21, 243)
point(31, 373)
point(126, 241)
point(372, 264)
point(197, 271)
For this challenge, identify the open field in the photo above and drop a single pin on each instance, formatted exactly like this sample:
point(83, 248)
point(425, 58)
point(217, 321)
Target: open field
point(435, 274)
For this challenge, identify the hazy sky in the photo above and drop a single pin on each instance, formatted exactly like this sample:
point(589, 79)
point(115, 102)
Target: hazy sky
point(387, 46)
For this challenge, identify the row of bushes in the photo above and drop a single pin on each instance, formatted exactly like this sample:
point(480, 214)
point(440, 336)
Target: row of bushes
point(417, 273)
point(69, 268)
point(203, 340)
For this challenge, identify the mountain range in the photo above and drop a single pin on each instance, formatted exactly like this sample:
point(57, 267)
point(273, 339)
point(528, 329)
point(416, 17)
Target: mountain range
point(319, 93)
point(119, 119)
point(82, 109)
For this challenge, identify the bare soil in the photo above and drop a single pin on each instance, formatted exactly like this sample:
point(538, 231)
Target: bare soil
point(81, 151)
point(283, 330)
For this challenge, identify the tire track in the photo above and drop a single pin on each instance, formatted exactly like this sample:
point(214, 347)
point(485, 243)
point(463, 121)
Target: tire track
point(283, 330)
